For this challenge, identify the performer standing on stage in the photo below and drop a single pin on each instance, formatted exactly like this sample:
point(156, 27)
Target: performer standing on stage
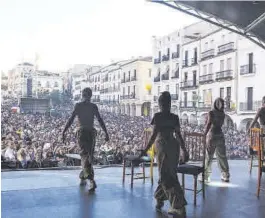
point(261, 116)
point(216, 141)
point(86, 111)
point(168, 138)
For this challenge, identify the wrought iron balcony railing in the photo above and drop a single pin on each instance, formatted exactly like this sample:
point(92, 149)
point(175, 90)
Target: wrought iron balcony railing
point(157, 61)
point(226, 47)
point(131, 96)
point(165, 58)
point(248, 69)
point(224, 75)
point(157, 78)
point(175, 74)
point(189, 84)
point(207, 54)
point(251, 106)
point(165, 76)
point(206, 79)
point(175, 55)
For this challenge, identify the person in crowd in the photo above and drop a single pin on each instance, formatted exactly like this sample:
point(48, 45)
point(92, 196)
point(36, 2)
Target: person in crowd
point(165, 124)
point(216, 141)
point(86, 111)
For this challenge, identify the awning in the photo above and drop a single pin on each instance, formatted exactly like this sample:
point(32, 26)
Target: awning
point(246, 18)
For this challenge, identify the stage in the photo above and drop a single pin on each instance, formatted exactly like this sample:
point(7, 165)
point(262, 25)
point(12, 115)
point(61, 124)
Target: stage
point(56, 193)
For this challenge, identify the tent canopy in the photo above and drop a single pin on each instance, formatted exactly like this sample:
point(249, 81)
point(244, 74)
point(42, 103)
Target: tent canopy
point(246, 18)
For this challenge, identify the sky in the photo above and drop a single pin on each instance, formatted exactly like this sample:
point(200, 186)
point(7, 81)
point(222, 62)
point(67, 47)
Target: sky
point(67, 32)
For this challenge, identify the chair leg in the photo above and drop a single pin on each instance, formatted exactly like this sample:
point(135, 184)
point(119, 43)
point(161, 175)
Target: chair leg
point(259, 182)
point(251, 164)
point(151, 171)
point(123, 172)
point(183, 182)
point(203, 185)
point(144, 171)
point(195, 190)
point(132, 174)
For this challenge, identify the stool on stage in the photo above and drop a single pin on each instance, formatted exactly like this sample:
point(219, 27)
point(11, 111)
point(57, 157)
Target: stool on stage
point(257, 141)
point(196, 146)
point(134, 160)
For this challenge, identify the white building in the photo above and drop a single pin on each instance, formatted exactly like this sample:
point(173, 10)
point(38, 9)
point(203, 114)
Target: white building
point(79, 78)
point(44, 82)
point(136, 80)
point(18, 79)
point(212, 63)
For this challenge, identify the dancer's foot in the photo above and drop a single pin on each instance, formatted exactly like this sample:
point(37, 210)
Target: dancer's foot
point(93, 185)
point(181, 211)
point(83, 182)
point(224, 179)
point(159, 205)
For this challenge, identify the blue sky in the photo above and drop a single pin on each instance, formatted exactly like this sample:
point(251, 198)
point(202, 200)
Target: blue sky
point(67, 32)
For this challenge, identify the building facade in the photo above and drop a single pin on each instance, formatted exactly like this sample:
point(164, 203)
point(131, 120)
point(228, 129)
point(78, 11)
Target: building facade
point(201, 62)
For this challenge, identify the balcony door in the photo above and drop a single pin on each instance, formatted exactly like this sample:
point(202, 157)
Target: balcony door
point(186, 57)
point(195, 55)
point(250, 62)
point(185, 99)
point(194, 77)
point(250, 98)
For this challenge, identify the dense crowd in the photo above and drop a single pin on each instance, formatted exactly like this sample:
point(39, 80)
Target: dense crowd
point(34, 140)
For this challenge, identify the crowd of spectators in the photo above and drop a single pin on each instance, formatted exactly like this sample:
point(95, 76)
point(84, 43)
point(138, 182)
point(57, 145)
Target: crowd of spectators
point(34, 140)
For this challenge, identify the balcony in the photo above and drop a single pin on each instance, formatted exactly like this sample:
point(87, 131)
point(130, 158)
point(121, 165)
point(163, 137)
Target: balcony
point(206, 79)
point(226, 47)
point(207, 54)
point(157, 61)
point(125, 97)
point(165, 76)
point(249, 106)
point(110, 102)
point(175, 55)
point(102, 91)
point(248, 69)
point(165, 58)
point(174, 97)
point(194, 61)
point(224, 75)
point(175, 74)
point(188, 84)
point(185, 63)
point(157, 79)
point(199, 106)
point(133, 78)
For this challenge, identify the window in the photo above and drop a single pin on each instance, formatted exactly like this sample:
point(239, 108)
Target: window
point(178, 50)
point(129, 90)
point(167, 88)
point(229, 63)
point(204, 69)
point(211, 68)
point(123, 91)
point(186, 76)
point(134, 73)
point(168, 51)
point(47, 84)
point(56, 84)
point(177, 89)
point(158, 90)
point(150, 73)
point(222, 65)
point(204, 95)
point(222, 93)
point(39, 83)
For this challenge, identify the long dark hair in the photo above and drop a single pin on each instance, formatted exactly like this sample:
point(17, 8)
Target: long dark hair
point(219, 105)
point(165, 102)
